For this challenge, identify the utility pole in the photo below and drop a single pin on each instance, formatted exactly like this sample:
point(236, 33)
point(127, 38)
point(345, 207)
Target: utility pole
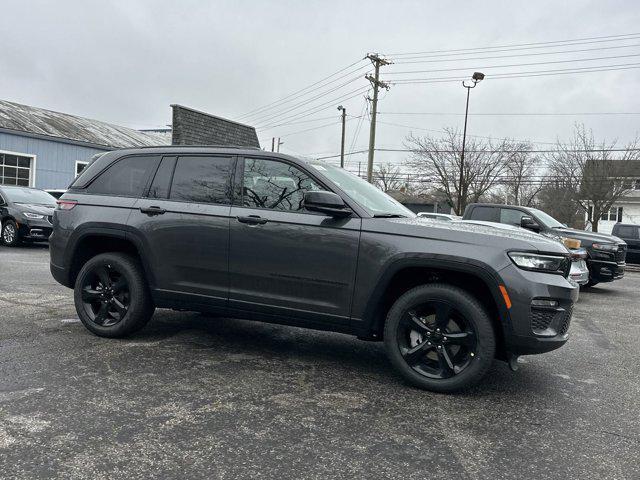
point(278, 145)
point(375, 81)
point(344, 115)
point(273, 144)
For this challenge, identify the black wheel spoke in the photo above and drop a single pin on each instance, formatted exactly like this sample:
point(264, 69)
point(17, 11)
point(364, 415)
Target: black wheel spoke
point(119, 307)
point(460, 338)
point(415, 354)
point(103, 275)
point(119, 285)
point(103, 314)
point(412, 321)
point(445, 363)
point(443, 313)
point(90, 295)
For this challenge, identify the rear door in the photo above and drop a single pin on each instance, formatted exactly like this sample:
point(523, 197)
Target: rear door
point(183, 223)
point(285, 260)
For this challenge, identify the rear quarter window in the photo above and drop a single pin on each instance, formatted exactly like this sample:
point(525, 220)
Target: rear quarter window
point(125, 178)
point(486, 214)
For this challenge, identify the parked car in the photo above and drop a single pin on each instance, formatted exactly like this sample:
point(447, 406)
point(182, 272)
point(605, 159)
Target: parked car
point(606, 253)
point(579, 272)
point(265, 236)
point(56, 193)
point(445, 217)
point(630, 233)
point(26, 215)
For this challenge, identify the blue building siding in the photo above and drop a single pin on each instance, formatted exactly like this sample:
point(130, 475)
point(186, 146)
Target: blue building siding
point(55, 160)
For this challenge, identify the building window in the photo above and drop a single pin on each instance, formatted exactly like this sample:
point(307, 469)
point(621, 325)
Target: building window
point(15, 169)
point(80, 167)
point(613, 215)
point(636, 184)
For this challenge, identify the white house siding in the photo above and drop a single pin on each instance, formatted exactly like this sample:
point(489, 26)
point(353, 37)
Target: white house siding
point(630, 204)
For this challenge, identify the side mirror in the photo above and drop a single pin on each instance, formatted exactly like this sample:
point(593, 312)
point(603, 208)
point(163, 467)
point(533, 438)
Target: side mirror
point(326, 202)
point(529, 223)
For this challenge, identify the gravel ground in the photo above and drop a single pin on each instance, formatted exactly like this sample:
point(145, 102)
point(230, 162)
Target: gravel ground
point(192, 396)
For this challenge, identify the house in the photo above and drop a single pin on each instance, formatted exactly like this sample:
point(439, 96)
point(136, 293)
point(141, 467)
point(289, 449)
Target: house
point(627, 208)
point(46, 149)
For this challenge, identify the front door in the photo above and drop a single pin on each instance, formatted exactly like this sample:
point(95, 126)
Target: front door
point(285, 260)
point(184, 225)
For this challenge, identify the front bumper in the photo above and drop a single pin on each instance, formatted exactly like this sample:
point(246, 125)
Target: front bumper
point(35, 230)
point(606, 271)
point(537, 329)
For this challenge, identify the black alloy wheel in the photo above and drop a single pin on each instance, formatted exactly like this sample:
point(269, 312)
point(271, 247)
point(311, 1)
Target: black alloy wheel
point(436, 340)
point(105, 295)
point(439, 337)
point(112, 296)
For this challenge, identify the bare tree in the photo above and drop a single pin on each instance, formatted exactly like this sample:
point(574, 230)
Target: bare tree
point(438, 161)
point(597, 173)
point(523, 177)
point(557, 198)
point(387, 177)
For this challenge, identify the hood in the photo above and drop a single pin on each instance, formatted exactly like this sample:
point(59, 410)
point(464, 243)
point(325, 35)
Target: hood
point(469, 233)
point(41, 209)
point(587, 237)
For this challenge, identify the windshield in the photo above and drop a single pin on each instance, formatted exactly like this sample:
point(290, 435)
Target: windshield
point(547, 219)
point(28, 195)
point(375, 201)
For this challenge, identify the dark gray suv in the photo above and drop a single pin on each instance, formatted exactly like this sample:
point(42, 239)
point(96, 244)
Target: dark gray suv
point(264, 236)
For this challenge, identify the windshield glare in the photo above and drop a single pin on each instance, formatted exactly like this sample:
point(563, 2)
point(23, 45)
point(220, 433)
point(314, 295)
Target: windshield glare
point(28, 195)
point(547, 219)
point(372, 199)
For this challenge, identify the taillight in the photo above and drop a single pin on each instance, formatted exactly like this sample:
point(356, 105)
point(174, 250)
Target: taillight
point(66, 204)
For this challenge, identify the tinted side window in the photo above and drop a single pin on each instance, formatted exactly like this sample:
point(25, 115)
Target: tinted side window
point(487, 214)
point(627, 232)
point(511, 216)
point(162, 180)
point(126, 177)
point(275, 185)
point(202, 180)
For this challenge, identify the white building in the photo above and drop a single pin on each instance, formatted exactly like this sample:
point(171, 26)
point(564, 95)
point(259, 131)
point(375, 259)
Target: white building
point(625, 210)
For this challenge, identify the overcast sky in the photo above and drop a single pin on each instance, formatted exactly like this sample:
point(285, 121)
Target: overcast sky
point(125, 62)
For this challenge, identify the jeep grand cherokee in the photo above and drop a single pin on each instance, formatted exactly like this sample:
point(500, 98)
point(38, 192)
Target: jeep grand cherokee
point(265, 236)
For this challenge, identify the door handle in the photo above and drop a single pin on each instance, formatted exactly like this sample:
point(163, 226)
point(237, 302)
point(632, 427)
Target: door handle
point(252, 220)
point(151, 211)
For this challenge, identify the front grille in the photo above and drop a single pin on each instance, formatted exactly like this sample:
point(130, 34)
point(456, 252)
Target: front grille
point(565, 322)
point(621, 253)
point(541, 319)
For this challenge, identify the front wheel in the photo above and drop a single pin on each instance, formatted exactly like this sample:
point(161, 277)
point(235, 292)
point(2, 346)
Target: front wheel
point(10, 234)
point(439, 338)
point(111, 295)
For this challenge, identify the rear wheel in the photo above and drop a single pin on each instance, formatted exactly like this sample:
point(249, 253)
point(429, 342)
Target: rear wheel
point(10, 234)
point(111, 295)
point(439, 338)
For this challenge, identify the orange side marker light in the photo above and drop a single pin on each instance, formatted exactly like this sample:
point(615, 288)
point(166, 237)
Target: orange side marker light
point(505, 295)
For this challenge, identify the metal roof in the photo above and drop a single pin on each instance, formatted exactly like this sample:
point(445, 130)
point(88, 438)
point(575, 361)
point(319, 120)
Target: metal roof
point(38, 121)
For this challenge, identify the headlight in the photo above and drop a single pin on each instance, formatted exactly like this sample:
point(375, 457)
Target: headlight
point(607, 247)
point(33, 216)
point(540, 263)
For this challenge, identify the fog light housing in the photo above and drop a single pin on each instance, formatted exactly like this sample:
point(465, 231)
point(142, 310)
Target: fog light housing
point(544, 302)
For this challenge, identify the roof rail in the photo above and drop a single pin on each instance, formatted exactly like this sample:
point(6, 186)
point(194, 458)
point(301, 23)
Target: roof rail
point(237, 147)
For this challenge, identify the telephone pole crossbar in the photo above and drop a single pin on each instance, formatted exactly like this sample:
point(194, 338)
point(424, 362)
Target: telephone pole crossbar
point(376, 83)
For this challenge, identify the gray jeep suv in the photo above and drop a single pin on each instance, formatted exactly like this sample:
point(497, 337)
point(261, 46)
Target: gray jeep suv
point(265, 236)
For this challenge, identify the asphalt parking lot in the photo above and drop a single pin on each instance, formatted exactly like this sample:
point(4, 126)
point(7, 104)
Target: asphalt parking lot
point(197, 397)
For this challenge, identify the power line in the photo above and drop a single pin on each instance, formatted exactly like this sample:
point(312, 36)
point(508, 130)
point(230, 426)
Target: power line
point(506, 114)
point(534, 73)
point(593, 59)
point(575, 41)
point(448, 59)
point(302, 89)
point(337, 122)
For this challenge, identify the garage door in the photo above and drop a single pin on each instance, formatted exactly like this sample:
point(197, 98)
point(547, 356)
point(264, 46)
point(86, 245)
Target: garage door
point(15, 169)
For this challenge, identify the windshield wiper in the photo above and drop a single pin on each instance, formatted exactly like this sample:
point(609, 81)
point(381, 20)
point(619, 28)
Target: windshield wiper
point(389, 215)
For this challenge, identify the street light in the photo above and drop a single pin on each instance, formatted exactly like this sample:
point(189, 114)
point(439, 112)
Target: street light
point(475, 78)
point(344, 114)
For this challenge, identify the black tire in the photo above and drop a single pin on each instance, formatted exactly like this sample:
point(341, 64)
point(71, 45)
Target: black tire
point(111, 295)
point(591, 283)
point(10, 234)
point(466, 339)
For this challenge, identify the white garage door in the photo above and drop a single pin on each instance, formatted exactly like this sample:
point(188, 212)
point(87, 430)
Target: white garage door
point(15, 169)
